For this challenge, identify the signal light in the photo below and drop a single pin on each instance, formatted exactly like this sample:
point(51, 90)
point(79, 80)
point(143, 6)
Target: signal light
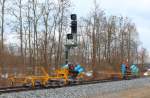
point(73, 17)
point(74, 27)
point(69, 36)
point(73, 23)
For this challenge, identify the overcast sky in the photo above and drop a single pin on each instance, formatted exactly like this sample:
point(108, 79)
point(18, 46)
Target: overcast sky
point(137, 10)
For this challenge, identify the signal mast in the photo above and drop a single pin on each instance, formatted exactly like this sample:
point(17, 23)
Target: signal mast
point(71, 38)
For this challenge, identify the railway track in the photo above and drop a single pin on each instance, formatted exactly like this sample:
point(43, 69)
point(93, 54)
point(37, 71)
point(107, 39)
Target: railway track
point(22, 88)
point(13, 89)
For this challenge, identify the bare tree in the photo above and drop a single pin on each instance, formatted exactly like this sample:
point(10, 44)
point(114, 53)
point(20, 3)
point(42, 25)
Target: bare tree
point(46, 14)
point(16, 12)
point(2, 2)
point(29, 30)
point(62, 10)
point(21, 29)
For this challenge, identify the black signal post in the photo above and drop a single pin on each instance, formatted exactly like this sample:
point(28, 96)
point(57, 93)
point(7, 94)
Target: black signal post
point(72, 37)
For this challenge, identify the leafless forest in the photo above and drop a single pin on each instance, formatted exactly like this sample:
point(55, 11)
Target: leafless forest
point(39, 28)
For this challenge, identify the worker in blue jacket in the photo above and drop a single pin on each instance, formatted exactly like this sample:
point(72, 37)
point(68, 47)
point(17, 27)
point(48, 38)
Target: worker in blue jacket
point(123, 70)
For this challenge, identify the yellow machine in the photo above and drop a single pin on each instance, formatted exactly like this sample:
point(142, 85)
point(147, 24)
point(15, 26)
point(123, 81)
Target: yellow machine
point(42, 78)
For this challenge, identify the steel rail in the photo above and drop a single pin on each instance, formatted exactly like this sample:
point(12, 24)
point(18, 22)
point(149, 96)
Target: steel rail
point(22, 88)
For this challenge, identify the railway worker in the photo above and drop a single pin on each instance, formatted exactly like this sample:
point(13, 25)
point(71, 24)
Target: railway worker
point(71, 67)
point(123, 70)
point(71, 71)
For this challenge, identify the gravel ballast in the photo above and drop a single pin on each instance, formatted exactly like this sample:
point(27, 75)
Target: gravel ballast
point(82, 91)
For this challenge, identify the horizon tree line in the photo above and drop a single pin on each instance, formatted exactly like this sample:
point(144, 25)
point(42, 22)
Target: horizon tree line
point(40, 27)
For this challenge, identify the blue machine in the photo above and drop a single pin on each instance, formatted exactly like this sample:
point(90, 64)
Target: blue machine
point(79, 69)
point(134, 70)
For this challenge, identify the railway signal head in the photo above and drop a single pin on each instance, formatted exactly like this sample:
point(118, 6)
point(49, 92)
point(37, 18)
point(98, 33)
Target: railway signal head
point(73, 17)
point(73, 23)
point(69, 36)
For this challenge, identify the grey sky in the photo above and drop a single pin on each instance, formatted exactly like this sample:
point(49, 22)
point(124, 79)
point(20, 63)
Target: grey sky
point(137, 10)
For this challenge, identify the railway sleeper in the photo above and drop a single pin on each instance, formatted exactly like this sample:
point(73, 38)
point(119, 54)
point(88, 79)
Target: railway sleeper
point(54, 83)
point(73, 82)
